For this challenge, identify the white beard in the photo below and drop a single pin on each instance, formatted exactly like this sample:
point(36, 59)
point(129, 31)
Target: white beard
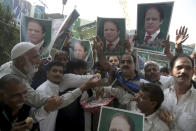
point(30, 69)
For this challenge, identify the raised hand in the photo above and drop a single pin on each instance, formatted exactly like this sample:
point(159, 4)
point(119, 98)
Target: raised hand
point(181, 36)
point(98, 44)
point(91, 83)
point(166, 45)
point(67, 44)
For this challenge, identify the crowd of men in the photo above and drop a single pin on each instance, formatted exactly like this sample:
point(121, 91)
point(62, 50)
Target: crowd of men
point(51, 91)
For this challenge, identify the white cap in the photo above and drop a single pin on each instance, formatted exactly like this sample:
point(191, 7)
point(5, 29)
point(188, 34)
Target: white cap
point(21, 48)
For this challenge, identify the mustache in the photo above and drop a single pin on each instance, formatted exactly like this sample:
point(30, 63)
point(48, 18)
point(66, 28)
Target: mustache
point(125, 67)
point(183, 75)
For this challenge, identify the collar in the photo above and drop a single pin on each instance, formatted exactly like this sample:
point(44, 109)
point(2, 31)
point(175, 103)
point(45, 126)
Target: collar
point(153, 35)
point(136, 78)
point(185, 96)
point(152, 116)
point(114, 44)
point(53, 85)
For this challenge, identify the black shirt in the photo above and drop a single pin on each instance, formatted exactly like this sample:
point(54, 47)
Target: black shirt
point(7, 119)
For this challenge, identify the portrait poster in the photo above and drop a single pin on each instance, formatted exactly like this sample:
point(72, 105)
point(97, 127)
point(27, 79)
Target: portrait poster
point(38, 32)
point(81, 49)
point(153, 21)
point(130, 120)
point(112, 33)
point(60, 36)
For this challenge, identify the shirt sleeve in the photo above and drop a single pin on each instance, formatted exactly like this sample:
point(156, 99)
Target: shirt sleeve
point(123, 96)
point(34, 98)
point(73, 81)
point(70, 96)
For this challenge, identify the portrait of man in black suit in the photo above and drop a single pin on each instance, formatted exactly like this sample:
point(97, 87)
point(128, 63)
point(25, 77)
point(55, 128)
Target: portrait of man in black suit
point(112, 33)
point(38, 32)
point(153, 21)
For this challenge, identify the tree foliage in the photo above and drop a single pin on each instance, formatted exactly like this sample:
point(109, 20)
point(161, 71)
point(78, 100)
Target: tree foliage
point(9, 34)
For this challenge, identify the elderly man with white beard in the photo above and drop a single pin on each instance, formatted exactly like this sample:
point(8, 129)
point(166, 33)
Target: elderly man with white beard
point(25, 61)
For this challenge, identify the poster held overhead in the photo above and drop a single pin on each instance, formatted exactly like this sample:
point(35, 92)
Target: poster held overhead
point(153, 20)
point(112, 33)
point(60, 37)
point(38, 32)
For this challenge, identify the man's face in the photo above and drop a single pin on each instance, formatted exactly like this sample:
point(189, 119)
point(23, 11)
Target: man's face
point(152, 73)
point(32, 61)
point(111, 32)
point(152, 21)
point(119, 124)
point(182, 71)
point(114, 60)
point(144, 103)
point(15, 95)
point(35, 33)
point(79, 51)
point(55, 74)
point(127, 65)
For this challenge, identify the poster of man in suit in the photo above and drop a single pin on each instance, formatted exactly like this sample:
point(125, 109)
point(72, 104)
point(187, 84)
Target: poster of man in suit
point(153, 22)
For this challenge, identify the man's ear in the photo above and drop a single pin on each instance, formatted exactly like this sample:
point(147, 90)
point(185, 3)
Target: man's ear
point(154, 104)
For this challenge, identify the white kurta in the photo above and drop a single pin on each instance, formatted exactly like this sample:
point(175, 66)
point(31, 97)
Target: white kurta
point(48, 89)
point(184, 110)
point(154, 123)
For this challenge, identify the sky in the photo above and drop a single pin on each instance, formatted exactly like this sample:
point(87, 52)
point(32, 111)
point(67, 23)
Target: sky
point(183, 12)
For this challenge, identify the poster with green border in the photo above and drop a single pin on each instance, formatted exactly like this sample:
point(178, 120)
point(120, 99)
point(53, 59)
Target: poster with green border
point(150, 28)
point(112, 33)
point(61, 36)
point(30, 31)
point(107, 114)
point(81, 49)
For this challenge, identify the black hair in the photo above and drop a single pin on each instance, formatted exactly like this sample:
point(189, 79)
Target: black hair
point(173, 60)
point(75, 64)
point(127, 118)
point(108, 57)
point(54, 63)
point(164, 70)
point(112, 21)
point(36, 21)
point(8, 80)
point(158, 8)
point(58, 55)
point(155, 93)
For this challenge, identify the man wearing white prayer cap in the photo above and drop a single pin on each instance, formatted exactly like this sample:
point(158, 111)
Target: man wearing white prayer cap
point(25, 61)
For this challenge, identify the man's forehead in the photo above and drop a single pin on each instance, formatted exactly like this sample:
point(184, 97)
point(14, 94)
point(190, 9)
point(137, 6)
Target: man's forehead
point(152, 66)
point(127, 57)
point(183, 61)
